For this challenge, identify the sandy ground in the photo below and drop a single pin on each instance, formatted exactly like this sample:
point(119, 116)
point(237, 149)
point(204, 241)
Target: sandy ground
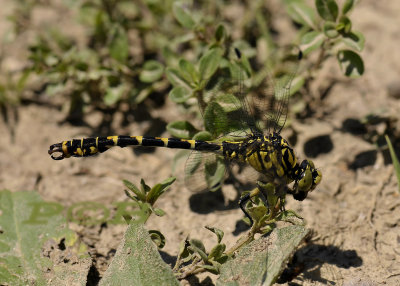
point(354, 215)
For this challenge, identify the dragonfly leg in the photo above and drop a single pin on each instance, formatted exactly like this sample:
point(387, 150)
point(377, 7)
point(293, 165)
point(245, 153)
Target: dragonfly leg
point(243, 201)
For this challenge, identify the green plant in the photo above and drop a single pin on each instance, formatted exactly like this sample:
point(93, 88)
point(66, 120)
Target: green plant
point(331, 33)
point(136, 259)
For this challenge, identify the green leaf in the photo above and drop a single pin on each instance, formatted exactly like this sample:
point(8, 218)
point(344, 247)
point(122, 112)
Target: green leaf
point(300, 12)
point(297, 83)
point(182, 15)
point(203, 136)
point(158, 238)
point(158, 190)
point(311, 41)
point(138, 262)
point(180, 94)
point(263, 260)
point(344, 25)
point(209, 63)
point(138, 192)
point(118, 44)
point(188, 71)
point(257, 212)
point(159, 212)
point(34, 240)
point(175, 78)
point(347, 6)
point(211, 268)
point(151, 72)
point(228, 102)
point(330, 29)
point(144, 187)
point(219, 233)
point(354, 40)
point(220, 33)
point(181, 129)
point(198, 247)
point(327, 9)
point(217, 251)
point(351, 63)
point(395, 160)
point(114, 94)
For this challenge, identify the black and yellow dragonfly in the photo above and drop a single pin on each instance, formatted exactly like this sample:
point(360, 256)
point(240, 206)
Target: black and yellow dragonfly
point(235, 116)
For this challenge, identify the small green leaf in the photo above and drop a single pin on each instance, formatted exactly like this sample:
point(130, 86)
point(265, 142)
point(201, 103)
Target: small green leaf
point(344, 25)
point(158, 238)
point(132, 187)
point(181, 129)
point(198, 247)
point(347, 6)
point(327, 9)
point(217, 251)
point(159, 212)
point(219, 233)
point(114, 94)
point(175, 78)
point(330, 29)
point(257, 212)
point(220, 33)
point(183, 250)
point(209, 63)
point(118, 45)
point(211, 268)
point(180, 94)
point(203, 136)
point(228, 102)
point(151, 72)
point(351, 63)
point(158, 190)
point(182, 15)
point(311, 41)
point(145, 188)
point(297, 83)
point(354, 40)
point(395, 160)
point(300, 12)
point(188, 71)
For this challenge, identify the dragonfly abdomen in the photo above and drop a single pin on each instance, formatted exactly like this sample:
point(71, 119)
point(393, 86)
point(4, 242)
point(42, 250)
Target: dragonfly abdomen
point(86, 147)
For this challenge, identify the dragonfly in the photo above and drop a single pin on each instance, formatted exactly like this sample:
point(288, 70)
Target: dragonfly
point(245, 140)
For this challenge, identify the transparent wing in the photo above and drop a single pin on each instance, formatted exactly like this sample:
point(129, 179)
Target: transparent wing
point(224, 104)
point(275, 91)
point(204, 171)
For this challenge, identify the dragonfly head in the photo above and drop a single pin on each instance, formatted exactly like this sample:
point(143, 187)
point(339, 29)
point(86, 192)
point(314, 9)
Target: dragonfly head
point(307, 180)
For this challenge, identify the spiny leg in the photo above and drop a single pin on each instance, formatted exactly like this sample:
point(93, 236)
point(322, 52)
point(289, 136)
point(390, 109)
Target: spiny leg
point(243, 201)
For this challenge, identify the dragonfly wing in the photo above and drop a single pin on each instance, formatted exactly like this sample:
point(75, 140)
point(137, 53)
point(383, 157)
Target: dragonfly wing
point(204, 171)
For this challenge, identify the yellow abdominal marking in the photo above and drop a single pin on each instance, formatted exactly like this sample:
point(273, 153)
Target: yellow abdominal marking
point(114, 139)
point(192, 143)
point(65, 149)
point(139, 139)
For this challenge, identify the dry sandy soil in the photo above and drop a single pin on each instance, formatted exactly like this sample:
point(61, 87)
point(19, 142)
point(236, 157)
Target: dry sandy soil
point(354, 214)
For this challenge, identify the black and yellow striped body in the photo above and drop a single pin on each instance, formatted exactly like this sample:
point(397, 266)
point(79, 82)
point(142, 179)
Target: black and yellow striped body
point(269, 155)
point(91, 146)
